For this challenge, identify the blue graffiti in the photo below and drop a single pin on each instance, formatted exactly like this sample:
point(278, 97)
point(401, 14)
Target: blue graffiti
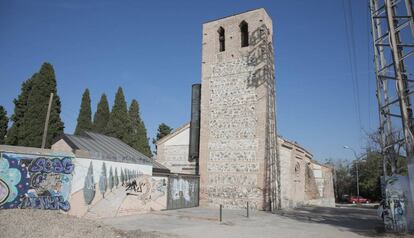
point(35, 182)
point(13, 178)
point(54, 165)
point(46, 203)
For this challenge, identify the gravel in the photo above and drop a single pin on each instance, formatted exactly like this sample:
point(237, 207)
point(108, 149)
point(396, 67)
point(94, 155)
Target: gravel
point(46, 223)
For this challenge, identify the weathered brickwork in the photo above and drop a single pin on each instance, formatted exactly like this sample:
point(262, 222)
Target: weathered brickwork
point(303, 180)
point(237, 85)
point(232, 119)
point(240, 159)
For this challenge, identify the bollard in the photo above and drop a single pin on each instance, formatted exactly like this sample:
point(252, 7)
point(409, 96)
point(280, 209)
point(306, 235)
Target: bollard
point(221, 212)
point(247, 209)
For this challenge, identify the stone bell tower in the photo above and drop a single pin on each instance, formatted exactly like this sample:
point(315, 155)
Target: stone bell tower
point(238, 158)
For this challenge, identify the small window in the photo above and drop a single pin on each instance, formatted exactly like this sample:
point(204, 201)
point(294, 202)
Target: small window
point(221, 39)
point(244, 33)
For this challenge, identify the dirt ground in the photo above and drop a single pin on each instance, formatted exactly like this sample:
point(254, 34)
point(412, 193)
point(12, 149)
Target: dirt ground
point(17, 223)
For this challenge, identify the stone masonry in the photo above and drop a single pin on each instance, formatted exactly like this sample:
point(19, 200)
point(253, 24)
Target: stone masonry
point(237, 123)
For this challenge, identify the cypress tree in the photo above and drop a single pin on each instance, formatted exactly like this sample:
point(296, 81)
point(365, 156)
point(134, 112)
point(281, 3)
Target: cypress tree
point(101, 117)
point(103, 180)
point(111, 179)
point(85, 114)
point(20, 107)
point(3, 124)
point(116, 181)
point(126, 175)
point(119, 125)
point(89, 186)
point(139, 140)
point(122, 177)
point(31, 129)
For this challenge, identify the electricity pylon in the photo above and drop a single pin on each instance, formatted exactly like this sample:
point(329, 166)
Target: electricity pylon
point(393, 39)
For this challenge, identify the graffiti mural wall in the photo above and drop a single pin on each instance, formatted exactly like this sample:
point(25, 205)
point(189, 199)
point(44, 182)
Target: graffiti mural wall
point(394, 214)
point(35, 181)
point(144, 194)
point(102, 188)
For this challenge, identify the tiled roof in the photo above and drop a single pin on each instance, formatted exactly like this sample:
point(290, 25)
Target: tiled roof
point(106, 148)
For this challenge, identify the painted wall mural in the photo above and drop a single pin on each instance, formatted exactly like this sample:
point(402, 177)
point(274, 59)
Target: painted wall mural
point(394, 208)
point(39, 182)
point(144, 193)
point(89, 187)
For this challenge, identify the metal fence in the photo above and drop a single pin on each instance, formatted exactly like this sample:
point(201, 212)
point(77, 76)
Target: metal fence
point(183, 191)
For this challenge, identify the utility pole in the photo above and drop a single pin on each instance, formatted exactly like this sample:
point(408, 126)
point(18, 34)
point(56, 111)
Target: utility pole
point(393, 38)
point(47, 121)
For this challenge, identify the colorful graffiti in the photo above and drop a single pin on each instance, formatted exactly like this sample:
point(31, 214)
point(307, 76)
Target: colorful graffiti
point(394, 210)
point(35, 182)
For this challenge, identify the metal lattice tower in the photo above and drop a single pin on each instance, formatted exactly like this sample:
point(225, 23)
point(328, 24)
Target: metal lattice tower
point(272, 158)
point(393, 39)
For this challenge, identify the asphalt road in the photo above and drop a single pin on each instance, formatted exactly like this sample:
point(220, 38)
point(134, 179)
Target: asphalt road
point(198, 222)
point(305, 222)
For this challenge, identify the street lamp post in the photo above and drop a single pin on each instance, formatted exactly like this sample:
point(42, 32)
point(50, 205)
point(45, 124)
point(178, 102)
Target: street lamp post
point(356, 167)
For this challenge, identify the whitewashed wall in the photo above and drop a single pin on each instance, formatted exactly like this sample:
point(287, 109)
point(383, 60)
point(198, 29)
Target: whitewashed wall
point(82, 166)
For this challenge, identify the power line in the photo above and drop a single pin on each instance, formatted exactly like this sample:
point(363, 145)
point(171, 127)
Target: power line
point(350, 39)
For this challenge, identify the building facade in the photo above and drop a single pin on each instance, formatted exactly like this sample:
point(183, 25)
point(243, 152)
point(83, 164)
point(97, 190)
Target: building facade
point(173, 151)
point(237, 129)
point(303, 180)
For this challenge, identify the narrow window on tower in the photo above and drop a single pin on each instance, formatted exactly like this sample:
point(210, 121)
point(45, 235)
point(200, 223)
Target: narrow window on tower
point(221, 39)
point(244, 32)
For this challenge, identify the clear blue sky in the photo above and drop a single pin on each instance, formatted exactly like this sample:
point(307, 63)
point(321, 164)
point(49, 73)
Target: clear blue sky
point(153, 50)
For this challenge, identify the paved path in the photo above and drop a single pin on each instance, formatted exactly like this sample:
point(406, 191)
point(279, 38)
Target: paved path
point(305, 222)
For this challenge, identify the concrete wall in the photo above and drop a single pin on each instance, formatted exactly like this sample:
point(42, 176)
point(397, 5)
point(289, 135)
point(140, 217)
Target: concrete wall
point(82, 165)
point(140, 193)
point(172, 151)
point(234, 111)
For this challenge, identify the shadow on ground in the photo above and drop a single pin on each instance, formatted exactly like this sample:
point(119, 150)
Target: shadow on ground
point(363, 221)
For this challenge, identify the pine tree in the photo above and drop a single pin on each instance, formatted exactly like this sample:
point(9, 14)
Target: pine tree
point(163, 130)
point(139, 140)
point(3, 124)
point(20, 107)
point(31, 128)
point(119, 125)
point(101, 117)
point(85, 114)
